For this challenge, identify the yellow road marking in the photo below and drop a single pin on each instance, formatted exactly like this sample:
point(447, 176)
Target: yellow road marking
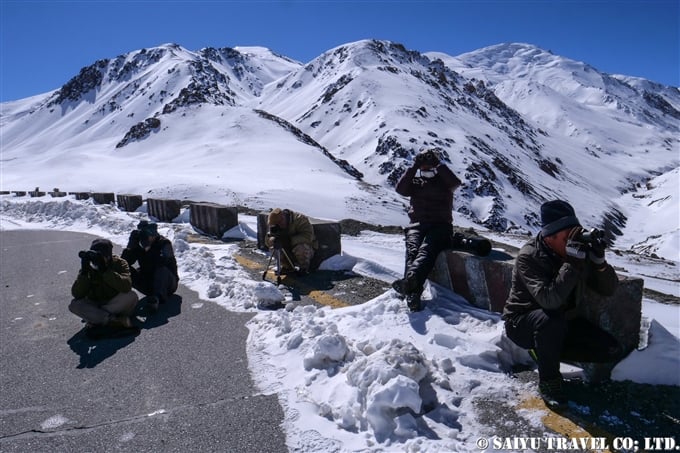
point(321, 297)
point(563, 425)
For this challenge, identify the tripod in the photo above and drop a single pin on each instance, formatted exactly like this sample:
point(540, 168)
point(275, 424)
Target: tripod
point(276, 254)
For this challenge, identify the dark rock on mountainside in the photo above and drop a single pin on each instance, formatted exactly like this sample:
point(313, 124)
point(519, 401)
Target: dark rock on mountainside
point(304, 138)
point(87, 80)
point(140, 131)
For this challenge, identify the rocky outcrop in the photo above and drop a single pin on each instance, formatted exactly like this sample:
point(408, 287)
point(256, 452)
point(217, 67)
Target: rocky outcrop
point(140, 131)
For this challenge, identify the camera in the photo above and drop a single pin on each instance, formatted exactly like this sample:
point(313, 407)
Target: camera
point(92, 259)
point(593, 236)
point(428, 157)
point(472, 244)
point(89, 255)
point(274, 230)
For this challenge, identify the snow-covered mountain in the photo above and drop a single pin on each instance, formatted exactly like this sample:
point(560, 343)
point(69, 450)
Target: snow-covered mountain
point(518, 124)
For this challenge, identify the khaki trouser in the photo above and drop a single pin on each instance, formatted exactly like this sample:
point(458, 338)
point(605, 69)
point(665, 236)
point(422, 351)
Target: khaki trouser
point(101, 313)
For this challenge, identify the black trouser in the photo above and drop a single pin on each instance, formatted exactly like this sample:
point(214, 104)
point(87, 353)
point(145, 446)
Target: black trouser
point(424, 242)
point(161, 283)
point(555, 339)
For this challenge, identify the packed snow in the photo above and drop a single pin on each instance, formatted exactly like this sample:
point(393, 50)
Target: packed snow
point(358, 378)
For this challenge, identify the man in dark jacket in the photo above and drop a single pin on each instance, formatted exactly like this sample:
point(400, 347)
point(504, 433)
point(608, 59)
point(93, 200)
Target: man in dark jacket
point(157, 275)
point(102, 292)
point(549, 278)
point(430, 185)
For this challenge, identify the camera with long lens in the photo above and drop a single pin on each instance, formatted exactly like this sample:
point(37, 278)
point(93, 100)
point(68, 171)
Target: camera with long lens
point(472, 244)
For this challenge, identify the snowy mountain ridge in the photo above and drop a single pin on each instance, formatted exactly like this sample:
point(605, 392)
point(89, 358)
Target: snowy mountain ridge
point(518, 124)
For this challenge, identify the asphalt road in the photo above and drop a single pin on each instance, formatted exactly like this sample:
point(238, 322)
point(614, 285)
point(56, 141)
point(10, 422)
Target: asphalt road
point(181, 385)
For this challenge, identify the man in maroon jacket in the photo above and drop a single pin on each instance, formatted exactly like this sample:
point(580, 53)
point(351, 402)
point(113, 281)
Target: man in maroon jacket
point(430, 184)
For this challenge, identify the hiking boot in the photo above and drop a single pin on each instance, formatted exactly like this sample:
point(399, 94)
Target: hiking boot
point(152, 304)
point(398, 286)
point(301, 273)
point(413, 302)
point(120, 321)
point(552, 392)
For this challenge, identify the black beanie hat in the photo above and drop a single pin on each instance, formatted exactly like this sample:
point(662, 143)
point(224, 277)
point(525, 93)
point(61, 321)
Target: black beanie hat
point(147, 228)
point(103, 246)
point(557, 215)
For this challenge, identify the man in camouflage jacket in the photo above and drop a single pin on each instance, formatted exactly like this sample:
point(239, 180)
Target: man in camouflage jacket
point(292, 232)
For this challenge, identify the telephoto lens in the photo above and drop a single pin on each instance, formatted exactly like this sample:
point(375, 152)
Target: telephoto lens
point(472, 244)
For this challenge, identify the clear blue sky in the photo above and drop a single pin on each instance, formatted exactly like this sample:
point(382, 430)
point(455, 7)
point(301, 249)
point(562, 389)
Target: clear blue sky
point(45, 43)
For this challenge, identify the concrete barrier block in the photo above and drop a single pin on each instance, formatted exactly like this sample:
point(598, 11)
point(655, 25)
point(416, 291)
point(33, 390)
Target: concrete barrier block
point(484, 281)
point(4, 192)
point(262, 230)
point(80, 195)
point(128, 202)
point(37, 193)
point(619, 314)
point(19, 193)
point(163, 209)
point(104, 197)
point(327, 235)
point(213, 219)
point(56, 193)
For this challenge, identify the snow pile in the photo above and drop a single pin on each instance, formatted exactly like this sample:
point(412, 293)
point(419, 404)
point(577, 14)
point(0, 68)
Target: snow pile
point(658, 364)
point(378, 371)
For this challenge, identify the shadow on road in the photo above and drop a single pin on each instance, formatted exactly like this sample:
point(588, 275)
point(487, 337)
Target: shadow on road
point(171, 308)
point(93, 351)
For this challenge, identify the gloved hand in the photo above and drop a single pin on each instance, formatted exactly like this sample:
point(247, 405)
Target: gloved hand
point(596, 251)
point(575, 249)
point(277, 243)
point(133, 241)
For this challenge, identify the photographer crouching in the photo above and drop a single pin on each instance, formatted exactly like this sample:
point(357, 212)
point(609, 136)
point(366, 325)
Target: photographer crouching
point(548, 281)
point(430, 185)
point(292, 233)
point(157, 276)
point(102, 292)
